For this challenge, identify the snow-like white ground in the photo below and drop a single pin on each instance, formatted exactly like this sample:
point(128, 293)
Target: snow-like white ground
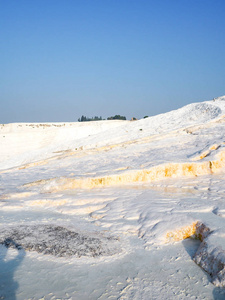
point(102, 210)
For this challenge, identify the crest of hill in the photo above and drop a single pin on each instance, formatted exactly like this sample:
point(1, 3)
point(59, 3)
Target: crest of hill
point(25, 143)
point(191, 114)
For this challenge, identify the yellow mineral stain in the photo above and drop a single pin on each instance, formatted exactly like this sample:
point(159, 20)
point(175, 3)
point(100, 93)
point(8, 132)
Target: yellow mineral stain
point(218, 164)
point(196, 230)
point(207, 152)
point(181, 233)
point(121, 169)
point(202, 155)
point(155, 173)
point(214, 147)
point(170, 170)
point(34, 164)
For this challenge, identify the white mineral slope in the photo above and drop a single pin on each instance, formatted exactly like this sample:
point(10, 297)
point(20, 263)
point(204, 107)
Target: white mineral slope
point(145, 186)
point(30, 141)
point(23, 143)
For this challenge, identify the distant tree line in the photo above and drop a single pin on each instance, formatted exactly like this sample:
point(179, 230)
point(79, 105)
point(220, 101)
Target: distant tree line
point(117, 117)
point(86, 119)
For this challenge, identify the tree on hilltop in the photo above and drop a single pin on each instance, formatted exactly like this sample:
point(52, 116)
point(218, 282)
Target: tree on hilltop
point(116, 117)
point(85, 119)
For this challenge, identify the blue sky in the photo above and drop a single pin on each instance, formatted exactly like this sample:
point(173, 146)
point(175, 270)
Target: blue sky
point(63, 59)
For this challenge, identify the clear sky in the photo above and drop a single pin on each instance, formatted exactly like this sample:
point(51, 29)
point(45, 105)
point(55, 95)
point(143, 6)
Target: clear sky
point(63, 59)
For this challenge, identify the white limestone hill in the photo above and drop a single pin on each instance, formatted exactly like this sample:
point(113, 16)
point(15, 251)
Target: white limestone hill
point(115, 209)
point(27, 142)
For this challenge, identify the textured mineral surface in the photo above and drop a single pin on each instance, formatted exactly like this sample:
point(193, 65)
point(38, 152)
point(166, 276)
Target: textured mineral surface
point(58, 241)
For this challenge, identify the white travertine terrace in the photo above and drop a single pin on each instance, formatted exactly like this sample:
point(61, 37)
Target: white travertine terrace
point(155, 186)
